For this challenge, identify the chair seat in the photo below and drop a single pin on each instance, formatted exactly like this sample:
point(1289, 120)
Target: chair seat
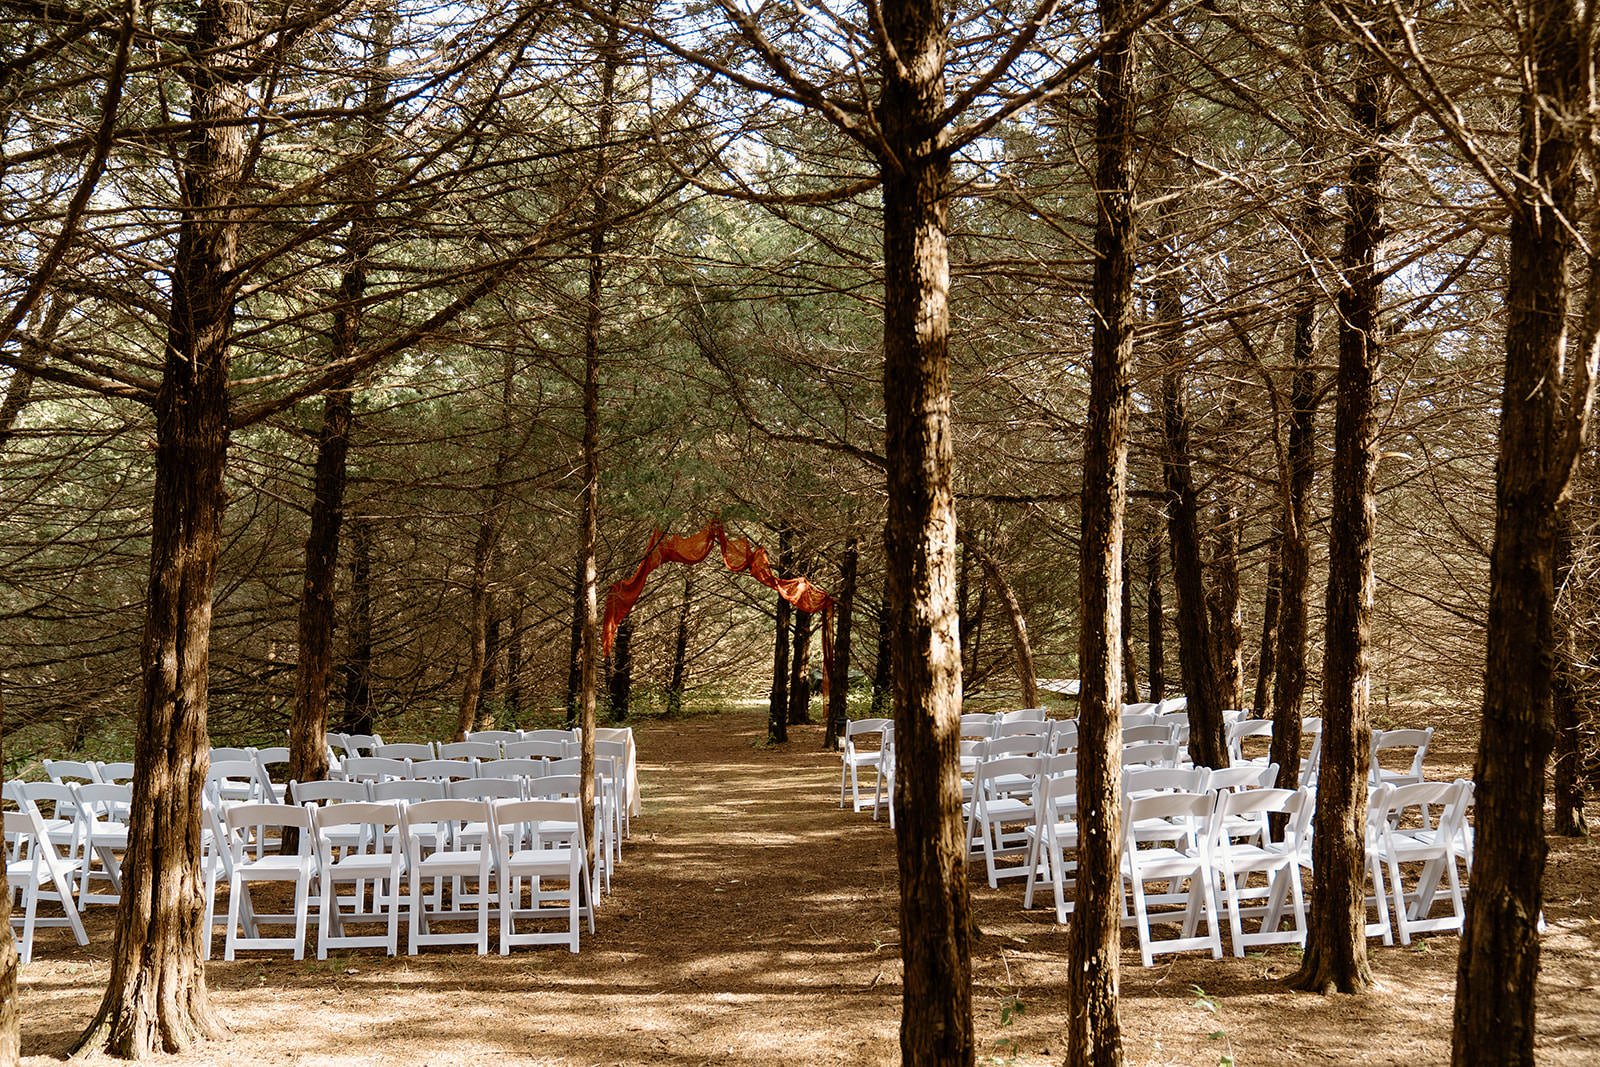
point(270, 868)
point(539, 861)
point(451, 861)
point(361, 865)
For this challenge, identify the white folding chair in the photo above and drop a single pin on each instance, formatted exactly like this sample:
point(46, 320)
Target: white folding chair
point(1311, 766)
point(1002, 794)
point(1236, 857)
point(374, 769)
point(854, 759)
point(272, 772)
point(1150, 754)
point(1399, 741)
point(117, 772)
point(38, 871)
point(976, 725)
point(359, 744)
point(235, 780)
point(1053, 834)
point(883, 789)
point(561, 736)
point(229, 754)
point(71, 772)
point(514, 769)
point(444, 770)
point(1406, 839)
point(357, 844)
point(333, 791)
point(539, 841)
point(1156, 732)
point(250, 823)
point(536, 748)
point(103, 833)
point(466, 827)
point(1178, 857)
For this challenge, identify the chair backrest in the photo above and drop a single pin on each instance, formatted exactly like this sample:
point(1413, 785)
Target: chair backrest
point(359, 744)
point(498, 737)
point(1023, 728)
point(1057, 764)
point(375, 768)
point(273, 754)
point(329, 792)
point(1251, 776)
point(62, 797)
point(456, 813)
point(1391, 740)
point(405, 750)
point(1144, 780)
point(1133, 720)
point(1021, 745)
point(519, 821)
point(241, 819)
point(1064, 734)
point(550, 735)
point(115, 771)
point(862, 727)
point(484, 789)
point(535, 748)
point(1237, 732)
point(459, 750)
point(382, 817)
point(105, 800)
point(511, 768)
point(1253, 806)
point(408, 791)
point(1172, 704)
point(232, 755)
point(569, 765)
point(978, 725)
point(444, 770)
point(1185, 813)
point(235, 779)
point(1154, 753)
point(1023, 715)
point(63, 771)
point(987, 776)
point(554, 785)
point(1138, 735)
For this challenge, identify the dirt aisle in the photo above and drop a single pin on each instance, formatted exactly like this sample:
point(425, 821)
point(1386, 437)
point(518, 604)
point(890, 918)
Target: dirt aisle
point(753, 922)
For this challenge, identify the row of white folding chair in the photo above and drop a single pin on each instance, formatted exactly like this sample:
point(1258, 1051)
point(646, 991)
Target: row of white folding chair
point(88, 822)
point(38, 871)
point(501, 845)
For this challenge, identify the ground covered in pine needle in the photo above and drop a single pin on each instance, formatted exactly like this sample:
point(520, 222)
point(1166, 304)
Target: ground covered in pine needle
point(753, 922)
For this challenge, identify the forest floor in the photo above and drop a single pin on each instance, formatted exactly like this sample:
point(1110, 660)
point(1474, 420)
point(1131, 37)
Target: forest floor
point(752, 921)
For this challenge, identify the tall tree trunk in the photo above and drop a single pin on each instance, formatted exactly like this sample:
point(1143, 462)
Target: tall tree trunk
point(1541, 432)
point(1294, 537)
point(1566, 696)
point(10, 1014)
point(883, 667)
point(575, 644)
point(1094, 1031)
point(485, 554)
point(488, 688)
point(1223, 605)
point(680, 647)
point(610, 59)
point(1267, 659)
point(778, 703)
point(1130, 660)
point(1026, 678)
point(514, 653)
point(1336, 949)
point(839, 669)
point(621, 681)
point(1155, 646)
point(1196, 647)
point(313, 682)
point(920, 541)
point(155, 998)
point(357, 670)
point(800, 670)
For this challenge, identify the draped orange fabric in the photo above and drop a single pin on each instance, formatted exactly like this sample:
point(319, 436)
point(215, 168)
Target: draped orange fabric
point(740, 557)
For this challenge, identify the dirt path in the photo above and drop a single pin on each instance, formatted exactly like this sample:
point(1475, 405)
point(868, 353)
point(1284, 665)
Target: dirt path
point(753, 922)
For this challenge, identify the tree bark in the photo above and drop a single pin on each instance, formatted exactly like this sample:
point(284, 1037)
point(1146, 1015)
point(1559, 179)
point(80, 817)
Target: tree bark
point(1266, 661)
point(621, 682)
point(680, 648)
point(1294, 537)
point(1541, 430)
point(1567, 697)
point(1336, 949)
point(155, 998)
point(883, 667)
point(1223, 605)
point(1155, 648)
point(839, 669)
point(514, 667)
point(357, 670)
point(575, 646)
point(1130, 660)
point(1196, 646)
point(778, 703)
point(800, 670)
point(920, 541)
point(485, 555)
point(1094, 1031)
point(10, 1014)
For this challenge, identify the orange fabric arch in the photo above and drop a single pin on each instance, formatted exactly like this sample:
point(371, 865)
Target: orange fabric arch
point(740, 557)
